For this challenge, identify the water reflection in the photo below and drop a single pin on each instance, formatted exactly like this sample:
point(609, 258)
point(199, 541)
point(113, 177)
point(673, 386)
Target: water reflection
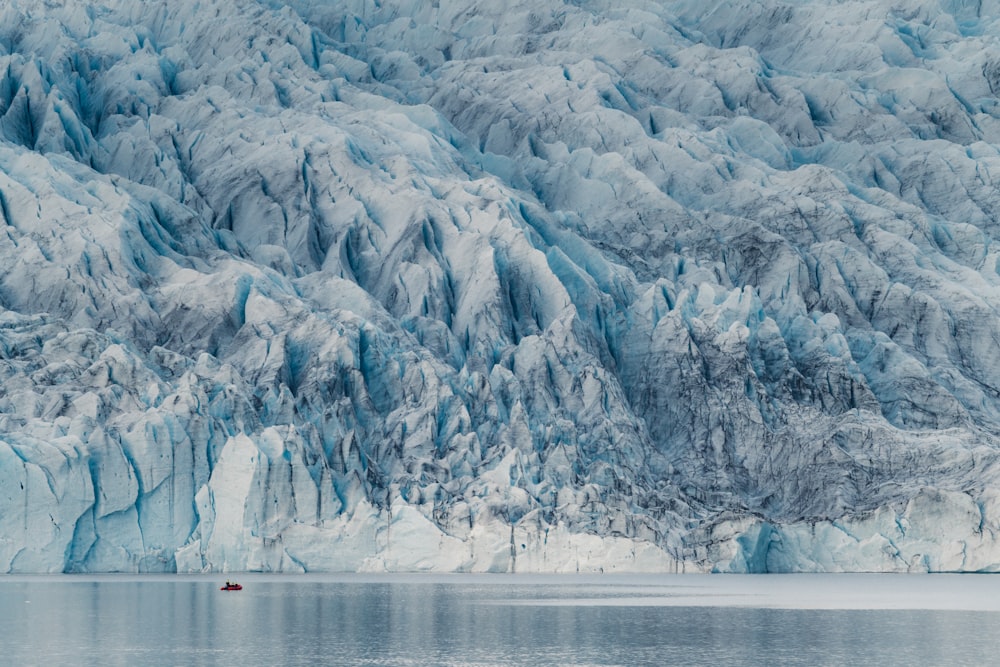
point(291, 621)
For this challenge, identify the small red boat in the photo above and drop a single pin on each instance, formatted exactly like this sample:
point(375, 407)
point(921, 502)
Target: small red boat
point(232, 586)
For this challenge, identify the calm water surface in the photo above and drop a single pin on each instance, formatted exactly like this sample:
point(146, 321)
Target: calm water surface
point(501, 620)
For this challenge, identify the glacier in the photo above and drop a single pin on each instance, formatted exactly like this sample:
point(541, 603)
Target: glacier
point(387, 285)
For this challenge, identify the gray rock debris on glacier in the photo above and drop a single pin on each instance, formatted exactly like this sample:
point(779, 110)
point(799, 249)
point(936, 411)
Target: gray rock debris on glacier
point(550, 286)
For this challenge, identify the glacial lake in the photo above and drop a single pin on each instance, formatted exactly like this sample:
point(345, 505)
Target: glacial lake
point(482, 620)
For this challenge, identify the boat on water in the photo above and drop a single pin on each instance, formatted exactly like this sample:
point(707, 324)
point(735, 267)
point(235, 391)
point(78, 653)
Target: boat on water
point(231, 586)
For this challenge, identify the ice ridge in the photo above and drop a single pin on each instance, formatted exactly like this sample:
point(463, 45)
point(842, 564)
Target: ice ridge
point(549, 286)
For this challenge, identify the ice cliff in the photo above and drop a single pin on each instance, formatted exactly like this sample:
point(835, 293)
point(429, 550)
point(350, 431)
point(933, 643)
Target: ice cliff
point(535, 286)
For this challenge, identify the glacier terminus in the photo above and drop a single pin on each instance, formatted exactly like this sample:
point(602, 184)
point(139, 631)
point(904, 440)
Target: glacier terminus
point(546, 286)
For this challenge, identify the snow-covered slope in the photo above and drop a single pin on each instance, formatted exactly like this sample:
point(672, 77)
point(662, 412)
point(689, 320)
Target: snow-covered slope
point(546, 286)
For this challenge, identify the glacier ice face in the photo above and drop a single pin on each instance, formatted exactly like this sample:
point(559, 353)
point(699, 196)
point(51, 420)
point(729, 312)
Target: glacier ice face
point(405, 285)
